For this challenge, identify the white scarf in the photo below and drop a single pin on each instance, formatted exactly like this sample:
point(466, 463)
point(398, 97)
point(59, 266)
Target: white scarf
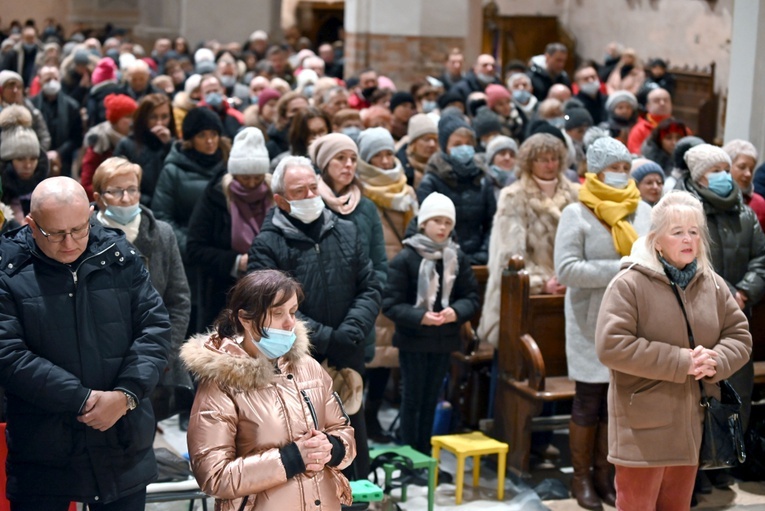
point(130, 230)
point(427, 279)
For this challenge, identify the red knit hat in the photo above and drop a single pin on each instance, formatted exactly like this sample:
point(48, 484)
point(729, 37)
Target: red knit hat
point(119, 106)
point(494, 93)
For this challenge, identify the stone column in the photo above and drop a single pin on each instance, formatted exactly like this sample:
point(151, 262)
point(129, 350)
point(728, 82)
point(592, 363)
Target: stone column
point(745, 114)
point(408, 39)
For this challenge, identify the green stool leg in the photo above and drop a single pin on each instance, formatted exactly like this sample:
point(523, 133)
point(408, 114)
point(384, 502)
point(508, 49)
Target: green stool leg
point(432, 471)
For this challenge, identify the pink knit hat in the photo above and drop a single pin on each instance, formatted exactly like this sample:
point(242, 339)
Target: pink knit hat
point(105, 70)
point(495, 93)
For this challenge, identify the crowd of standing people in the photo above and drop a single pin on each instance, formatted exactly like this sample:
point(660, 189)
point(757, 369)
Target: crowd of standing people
point(292, 220)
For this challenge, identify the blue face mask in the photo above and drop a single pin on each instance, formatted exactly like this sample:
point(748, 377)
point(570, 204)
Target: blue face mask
point(253, 100)
point(720, 183)
point(275, 343)
point(616, 179)
point(214, 99)
point(521, 96)
point(123, 214)
point(462, 153)
point(353, 132)
point(429, 106)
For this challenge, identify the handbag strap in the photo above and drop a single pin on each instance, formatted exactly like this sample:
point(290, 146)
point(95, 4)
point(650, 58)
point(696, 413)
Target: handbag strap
point(690, 337)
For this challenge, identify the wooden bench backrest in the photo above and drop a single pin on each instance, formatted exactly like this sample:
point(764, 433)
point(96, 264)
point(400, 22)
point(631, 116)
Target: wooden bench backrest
point(540, 317)
point(695, 101)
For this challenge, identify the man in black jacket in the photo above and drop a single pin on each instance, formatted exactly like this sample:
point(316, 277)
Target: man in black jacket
point(83, 341)
point(323, 253)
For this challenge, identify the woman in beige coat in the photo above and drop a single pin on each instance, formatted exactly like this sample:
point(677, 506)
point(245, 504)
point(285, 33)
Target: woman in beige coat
point(654, 414)
point(266, 431)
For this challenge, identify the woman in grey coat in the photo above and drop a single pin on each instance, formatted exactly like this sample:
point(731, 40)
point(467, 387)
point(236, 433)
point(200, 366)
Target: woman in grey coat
point(117, 192)
point(592, 236)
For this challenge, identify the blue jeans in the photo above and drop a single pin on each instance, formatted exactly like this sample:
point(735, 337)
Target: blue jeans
point(133, 502)
point(422, 375)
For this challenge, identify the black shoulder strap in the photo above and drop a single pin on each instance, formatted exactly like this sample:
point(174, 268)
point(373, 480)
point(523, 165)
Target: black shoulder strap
point(690, 334)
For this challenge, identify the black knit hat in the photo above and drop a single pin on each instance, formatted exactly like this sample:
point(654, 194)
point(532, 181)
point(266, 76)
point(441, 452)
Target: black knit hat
point(486, 122)
point(449, 97)
point(542, 126)
point(200, 119)
point(577, 117)
point(682, 146)
point(447, 125)
point(400, 98)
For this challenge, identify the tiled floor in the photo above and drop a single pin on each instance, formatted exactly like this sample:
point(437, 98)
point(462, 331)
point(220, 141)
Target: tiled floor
point(519, 496)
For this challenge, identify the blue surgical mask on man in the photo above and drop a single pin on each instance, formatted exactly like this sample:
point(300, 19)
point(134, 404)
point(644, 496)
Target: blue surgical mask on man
point(521, 96)
point(720, 183)
point(275, 343)
point(214, 99)
point(462, 153)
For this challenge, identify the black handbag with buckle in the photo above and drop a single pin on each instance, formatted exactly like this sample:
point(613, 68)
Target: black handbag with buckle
point(722, 441)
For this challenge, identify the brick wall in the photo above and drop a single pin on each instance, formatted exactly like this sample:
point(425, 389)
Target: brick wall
point(403, 59)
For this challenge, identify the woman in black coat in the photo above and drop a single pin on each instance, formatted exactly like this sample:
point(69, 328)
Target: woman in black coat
point(455, 172)
point(150, 142)
point(227, 218)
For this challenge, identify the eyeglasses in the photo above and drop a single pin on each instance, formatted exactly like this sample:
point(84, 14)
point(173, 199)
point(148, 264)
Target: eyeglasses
point(77, 233)
point(546, 161)
point(118, 193)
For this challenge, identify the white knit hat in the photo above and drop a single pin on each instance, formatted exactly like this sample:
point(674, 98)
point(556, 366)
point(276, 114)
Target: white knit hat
point(703, 156)
point(249, 155)
point(419, 125)
point(7, 74)
point(192, 82)
point(436, 204)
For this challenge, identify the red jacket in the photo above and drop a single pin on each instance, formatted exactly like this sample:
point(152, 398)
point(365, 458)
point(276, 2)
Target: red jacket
point(641, 130)
point(757, 203)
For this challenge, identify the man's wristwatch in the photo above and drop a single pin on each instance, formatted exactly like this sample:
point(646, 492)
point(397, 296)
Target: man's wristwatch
point(131, 402)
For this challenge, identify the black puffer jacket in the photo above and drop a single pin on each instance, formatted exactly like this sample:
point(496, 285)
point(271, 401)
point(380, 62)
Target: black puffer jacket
point(179, 187)
point(342, 294)
point(737, 241)
point(473, 199)
point(401, 295)
point(150, 155)
point(98, 325)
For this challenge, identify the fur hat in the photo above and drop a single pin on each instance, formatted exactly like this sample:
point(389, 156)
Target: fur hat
point(703, 156)
point(324, 148)
point(641, 167)
point(17, 139)
point(447, 125)
point(249, 155)
point(200, 119)
point(604, 152)
point(374, 140)
point(497, 144)
point(419, 125)
point(621, 96)
point(119, 106)
point(436, 204)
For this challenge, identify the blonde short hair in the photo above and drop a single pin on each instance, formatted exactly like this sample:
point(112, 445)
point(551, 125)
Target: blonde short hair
point(679, 205)
point(538, 145)
point(113, 167)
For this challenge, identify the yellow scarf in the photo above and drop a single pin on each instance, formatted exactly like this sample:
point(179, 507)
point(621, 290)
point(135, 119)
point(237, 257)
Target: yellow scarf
point(388, 190)
point(612, 206)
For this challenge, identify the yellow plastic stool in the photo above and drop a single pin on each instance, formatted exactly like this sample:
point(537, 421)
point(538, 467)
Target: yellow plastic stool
point(474, 444)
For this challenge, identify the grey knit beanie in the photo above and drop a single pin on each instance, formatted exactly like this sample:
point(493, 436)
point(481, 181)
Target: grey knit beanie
point(374, 140)
point(17, 138)
point(497, 144)
point(604, 152)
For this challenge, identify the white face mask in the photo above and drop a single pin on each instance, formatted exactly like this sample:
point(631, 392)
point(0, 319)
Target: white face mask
point(590, 88)
point(306, 210)
point(227, 81)
point(616, 179)
point(51, 88)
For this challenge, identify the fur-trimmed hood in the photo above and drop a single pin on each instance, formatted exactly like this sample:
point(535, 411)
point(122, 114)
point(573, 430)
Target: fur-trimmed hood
point(225, 361)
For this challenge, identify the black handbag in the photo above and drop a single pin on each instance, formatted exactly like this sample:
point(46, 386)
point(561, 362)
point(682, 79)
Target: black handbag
point(722, 442)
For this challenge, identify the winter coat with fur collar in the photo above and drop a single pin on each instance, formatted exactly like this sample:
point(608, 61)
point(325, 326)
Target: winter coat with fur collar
point(247, 414)
point(654, 416)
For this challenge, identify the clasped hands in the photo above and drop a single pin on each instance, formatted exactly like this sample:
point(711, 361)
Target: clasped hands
point(315, 449)
point(703, 363)
point(439, 318)
point(103, 408)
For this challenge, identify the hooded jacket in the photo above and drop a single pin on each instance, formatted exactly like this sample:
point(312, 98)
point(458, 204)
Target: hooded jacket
point(64, 331)
point(473, 199)
point(341, 289)
point(654, 415)
point(247, 415)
